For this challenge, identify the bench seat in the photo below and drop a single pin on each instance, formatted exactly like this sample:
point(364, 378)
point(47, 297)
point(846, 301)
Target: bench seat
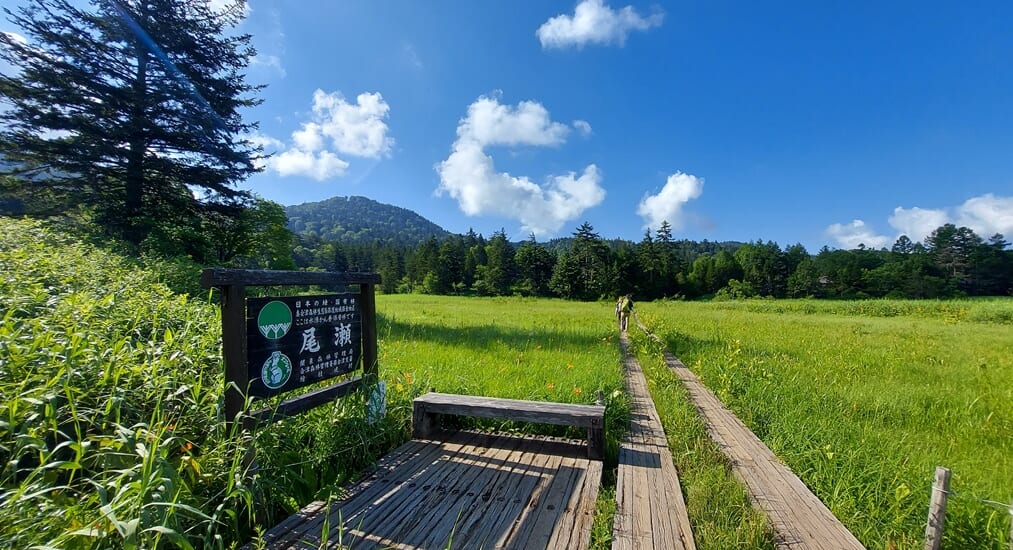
point(427, 410)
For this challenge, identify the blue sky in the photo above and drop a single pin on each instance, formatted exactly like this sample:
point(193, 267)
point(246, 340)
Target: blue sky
point(825, 123)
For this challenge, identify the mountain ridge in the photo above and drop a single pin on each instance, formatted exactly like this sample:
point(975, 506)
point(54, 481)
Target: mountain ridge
point(360, 220)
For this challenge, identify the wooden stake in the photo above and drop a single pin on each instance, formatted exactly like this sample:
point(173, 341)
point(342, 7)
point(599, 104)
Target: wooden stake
point(937, 509)
point(234, 352)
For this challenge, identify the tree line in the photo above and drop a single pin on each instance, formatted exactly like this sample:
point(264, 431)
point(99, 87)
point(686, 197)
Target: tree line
point(953, 261)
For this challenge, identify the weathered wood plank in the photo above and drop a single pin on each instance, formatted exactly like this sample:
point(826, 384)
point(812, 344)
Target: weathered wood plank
point(389, 474)
point(485, 490)
point(427, 410)
point(552, 505)
point(799, 519)
point(307, 401)
point(474, 481)
point(494, 491)
point(262, 277)
point(381, 522)
point(498, 525)
point(543, 412)
point(650, 509)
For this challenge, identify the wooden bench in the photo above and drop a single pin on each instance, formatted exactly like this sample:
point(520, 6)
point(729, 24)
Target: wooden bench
point(428, 409)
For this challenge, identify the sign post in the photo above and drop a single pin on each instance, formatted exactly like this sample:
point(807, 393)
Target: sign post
point(275, 345)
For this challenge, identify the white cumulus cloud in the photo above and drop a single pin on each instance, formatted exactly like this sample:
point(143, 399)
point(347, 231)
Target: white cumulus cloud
point(917, 223)
point(469, 174)
point(667, 205)
point(583, 126)
point(336, 127)
point(594, 22)
point(856, 233)
point(987, 215)
point(490, 123)
point(319, 165)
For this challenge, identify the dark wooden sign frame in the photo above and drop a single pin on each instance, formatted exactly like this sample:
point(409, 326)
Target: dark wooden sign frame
point(233, 283)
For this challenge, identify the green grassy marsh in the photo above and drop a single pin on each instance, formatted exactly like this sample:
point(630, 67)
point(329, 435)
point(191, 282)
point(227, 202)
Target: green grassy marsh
point(864, 399)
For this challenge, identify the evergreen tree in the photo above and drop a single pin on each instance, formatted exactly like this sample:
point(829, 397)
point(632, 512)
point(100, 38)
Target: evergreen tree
point(650, 268)
point(763, 268)
point(804, 281)
point(449, 268)
point(130, 108)
point(701, 276)
point(500, 269)
point(534, 267)
point(391, 267)
point(903, 245)
point(585, 272)
point(669, 262)
point(952, 249)
point(423, 262)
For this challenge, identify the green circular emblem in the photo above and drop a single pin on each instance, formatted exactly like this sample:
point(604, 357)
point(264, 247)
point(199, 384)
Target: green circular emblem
point(274, 320)
point(276, 370)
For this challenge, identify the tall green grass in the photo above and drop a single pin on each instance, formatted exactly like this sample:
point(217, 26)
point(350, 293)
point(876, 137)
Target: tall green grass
point(863, 401)
point(109, 387)
point(111, 432)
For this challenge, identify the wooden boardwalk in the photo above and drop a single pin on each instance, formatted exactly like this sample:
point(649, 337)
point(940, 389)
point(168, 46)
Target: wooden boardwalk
point(650, 510)
point(471, 490)
point(799, 519)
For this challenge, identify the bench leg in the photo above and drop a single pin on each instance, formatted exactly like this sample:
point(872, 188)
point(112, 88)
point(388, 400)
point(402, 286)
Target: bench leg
point(424, 424)
point(596, 441)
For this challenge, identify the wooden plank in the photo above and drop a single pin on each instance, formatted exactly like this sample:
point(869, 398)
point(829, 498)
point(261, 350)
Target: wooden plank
point(464, 526)
point(234, 352)
point(386, 473)
point(650, 509)
point(375, 523)
point(262, 277)
point(523, 527)
point(307, 401)
point(534, 459)
point(474, 479)
point(390, 473)
point(510, 492)
point(798, 518)
point(552, 506)
point(564, 414)
point(584, 510)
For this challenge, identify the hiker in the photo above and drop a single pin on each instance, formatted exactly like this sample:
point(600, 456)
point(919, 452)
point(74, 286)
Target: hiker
point(619, 307)
point(625, 309)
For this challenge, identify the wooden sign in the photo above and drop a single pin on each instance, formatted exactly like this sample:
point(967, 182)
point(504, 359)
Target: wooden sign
point(293, 341)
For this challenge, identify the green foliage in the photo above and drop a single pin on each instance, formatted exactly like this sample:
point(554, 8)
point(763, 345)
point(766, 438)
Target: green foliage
point(500, 270)
point(864, 399)
point(358, 220)
point(585, 272)
point(534, 266)
point(98, 114)
point(108, 402)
